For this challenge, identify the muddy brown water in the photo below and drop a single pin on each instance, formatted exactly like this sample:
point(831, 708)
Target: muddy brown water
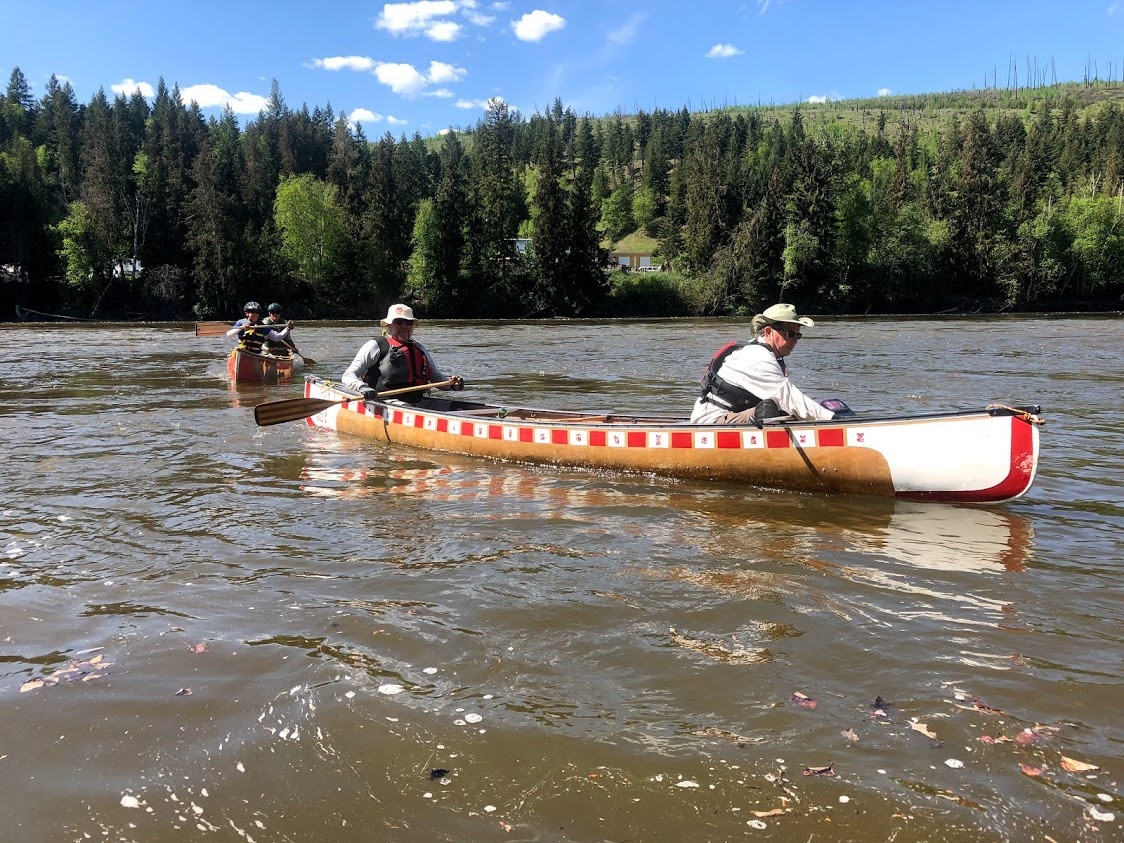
point(403, 645)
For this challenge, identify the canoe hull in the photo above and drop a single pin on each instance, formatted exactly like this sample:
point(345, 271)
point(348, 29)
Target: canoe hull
point(245, 367)
point(978, 456)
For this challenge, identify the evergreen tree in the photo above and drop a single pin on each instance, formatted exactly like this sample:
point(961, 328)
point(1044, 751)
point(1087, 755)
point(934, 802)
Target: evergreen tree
point(550, 246)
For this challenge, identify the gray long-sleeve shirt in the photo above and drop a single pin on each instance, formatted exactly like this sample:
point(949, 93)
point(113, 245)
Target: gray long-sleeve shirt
point(369, 355)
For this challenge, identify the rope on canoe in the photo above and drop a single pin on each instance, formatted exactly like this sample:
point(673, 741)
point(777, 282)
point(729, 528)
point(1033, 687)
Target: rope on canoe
point(1030, 418)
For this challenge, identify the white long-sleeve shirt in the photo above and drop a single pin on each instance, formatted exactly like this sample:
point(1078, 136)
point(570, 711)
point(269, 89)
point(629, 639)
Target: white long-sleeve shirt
point(368, 356)
point(755, 368)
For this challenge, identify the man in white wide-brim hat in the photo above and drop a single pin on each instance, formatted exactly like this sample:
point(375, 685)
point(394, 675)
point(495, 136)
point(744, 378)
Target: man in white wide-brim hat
point(748, 382)
point(395, 361)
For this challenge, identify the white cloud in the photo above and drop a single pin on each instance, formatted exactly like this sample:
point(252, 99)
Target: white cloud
point(536, 25)
point(396, 121)
point(128, 86)
point(764, 4)
point(723, 51)
point(407, 81)
point(481, 104)
point(444, 131)
point(209, 96)
point(441, 93)
point(403, 79)
point(431, 18)
point(441, 73)
point(363, 115)
point(479, 19)
point(344, 63)
point(884, 92)
point(443, 30)
point(413, 19)
point(626, 33)
point(1111, 10)
point(816, 98)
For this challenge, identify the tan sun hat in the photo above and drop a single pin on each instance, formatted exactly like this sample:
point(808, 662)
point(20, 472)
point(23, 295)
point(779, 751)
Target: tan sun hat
point(780, 313)
point(399, 311)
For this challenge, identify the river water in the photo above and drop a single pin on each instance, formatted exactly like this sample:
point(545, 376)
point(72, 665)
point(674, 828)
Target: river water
point(210, 630)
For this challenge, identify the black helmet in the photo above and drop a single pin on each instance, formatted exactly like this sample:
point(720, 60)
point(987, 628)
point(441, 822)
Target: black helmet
point(274, 308)
point(252, 305)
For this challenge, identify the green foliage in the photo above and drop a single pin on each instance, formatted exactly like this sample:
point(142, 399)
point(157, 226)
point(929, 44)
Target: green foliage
point(974, 199)
point(616, 212)
point(645, 208)
point(311, 225)
point(76, 251)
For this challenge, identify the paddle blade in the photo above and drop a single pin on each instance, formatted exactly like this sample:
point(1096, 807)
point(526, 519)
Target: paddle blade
point(291, 409)
point(211, 329)
point(308, 361)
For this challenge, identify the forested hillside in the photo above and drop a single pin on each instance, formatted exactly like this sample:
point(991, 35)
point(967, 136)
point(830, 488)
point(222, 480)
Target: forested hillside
point(988, 200)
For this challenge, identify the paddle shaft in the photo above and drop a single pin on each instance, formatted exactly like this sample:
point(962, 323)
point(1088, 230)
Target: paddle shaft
point(294, 409)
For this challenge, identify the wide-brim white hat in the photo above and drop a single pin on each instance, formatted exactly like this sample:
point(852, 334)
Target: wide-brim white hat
point(780, 313)
point(399, 311)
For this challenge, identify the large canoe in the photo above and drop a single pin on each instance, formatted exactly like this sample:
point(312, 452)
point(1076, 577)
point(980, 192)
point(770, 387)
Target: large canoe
point(983, 455)
point(247, 367)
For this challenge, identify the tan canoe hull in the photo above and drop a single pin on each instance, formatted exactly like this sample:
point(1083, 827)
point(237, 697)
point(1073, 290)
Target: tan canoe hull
point(971, 456)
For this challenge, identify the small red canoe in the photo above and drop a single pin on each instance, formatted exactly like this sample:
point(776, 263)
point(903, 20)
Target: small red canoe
point(246, 367)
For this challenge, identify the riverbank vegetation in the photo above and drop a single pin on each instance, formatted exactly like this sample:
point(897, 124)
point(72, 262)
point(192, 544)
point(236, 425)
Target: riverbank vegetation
point(992, 200)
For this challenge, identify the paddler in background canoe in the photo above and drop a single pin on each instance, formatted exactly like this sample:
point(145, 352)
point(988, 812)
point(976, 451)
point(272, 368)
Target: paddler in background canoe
point(272, 321)
point(252, 334)
point(748, 382)
point(395, 360)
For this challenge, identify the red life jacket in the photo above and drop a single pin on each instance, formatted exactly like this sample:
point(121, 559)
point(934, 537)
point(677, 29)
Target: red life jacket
point(400, 364)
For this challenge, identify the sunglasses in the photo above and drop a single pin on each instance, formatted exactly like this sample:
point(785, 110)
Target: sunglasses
point(787, 333)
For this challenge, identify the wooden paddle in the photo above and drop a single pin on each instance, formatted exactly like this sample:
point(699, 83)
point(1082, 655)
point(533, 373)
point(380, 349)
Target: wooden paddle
point(294, 409)
point(211, 329)
point(308, 361)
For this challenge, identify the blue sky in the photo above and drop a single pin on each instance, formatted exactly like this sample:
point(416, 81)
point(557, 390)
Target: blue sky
point(429, 65)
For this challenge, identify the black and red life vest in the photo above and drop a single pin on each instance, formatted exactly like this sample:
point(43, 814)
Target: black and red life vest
point(400, 364)
point(721, 392)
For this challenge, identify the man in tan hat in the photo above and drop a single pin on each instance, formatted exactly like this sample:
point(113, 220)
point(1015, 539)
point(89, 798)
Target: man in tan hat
point(748, 382)
point(395, 360)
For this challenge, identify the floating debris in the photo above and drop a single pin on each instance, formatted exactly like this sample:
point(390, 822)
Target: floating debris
point(195, 649)
point(182, 692)
point(923, 729)
point(75, 670)
point(1072, 765)
point(775, 812)
point(803, 700)
point(820, 771)
point(437, 773)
